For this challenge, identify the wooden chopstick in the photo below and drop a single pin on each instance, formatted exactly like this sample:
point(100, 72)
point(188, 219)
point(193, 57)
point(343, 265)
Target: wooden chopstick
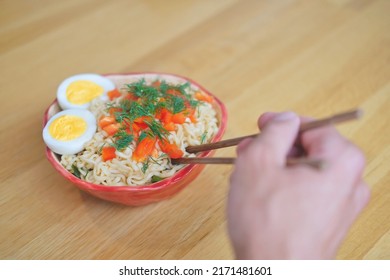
point(338, 118)
point(315, 163)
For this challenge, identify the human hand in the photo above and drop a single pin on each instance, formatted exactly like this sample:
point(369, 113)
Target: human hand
point(294, 212)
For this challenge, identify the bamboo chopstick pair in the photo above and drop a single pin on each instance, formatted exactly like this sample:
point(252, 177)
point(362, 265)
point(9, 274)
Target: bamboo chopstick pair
point(316, 163)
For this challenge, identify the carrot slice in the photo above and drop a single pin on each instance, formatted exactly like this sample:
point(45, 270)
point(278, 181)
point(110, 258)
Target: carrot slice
point(179, 118)
point(108, 153)
point(106, 120)
point(156, 84)
point(155, 153)
point(113, 94)
point(141, 121)
point(203, 97)
point(190, 112)
point(144, 149)
point(170, 126)
point(191, 115)
point(111, 129)
point(166, 116)
point(172, 150)
point(135, 128)
point(173, 91)
point(130, 96)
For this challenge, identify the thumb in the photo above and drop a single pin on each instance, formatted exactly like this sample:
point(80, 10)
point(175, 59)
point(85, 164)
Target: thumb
point(278, 136)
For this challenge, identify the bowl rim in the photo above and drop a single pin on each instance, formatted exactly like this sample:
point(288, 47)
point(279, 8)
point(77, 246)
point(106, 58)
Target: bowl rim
point(153, 186)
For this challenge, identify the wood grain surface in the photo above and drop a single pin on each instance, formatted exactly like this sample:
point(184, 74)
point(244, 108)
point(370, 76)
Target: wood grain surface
point(313, 57)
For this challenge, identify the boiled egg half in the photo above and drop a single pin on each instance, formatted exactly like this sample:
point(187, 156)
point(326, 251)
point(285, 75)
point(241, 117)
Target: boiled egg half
point(67, 131)
point(77, 92)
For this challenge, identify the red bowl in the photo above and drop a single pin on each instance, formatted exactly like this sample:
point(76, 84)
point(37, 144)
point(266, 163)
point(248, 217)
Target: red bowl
point(141, 195)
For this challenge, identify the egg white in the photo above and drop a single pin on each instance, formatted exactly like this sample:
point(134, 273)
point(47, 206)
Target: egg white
point(63, 101)
point(76, 145)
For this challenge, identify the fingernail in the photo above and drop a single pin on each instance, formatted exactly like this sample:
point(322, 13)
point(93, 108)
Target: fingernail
point(285, 116)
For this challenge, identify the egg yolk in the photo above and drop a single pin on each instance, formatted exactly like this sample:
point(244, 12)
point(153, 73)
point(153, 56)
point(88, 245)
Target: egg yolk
point(66, 128)
point(81, 92)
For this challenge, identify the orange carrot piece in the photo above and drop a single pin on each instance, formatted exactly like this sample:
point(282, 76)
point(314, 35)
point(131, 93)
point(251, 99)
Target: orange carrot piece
point(170, 126)
point(156, 84)
point(164, 116)
point(135, 128)
point(144, 149)
point(178, 118)
point(193, 118)
point(173, 91)
point(141, 121)
point(203, 97)
point(130, 96)
point(190, 112)
point(106, 120)
point(113, 94)
point(158, 115)
point(111, 129)
point(172, 150)
point(155, 153)
point(191, 115)
point(108, 153)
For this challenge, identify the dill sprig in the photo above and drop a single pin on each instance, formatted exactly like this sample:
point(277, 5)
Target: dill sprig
point(155, 160)
point(75, 171)
point(142, 136)
point(156, 129)
point(156, 179)
point(203, 137)
point(142, 90)
point(136, 110)
point(164, 87)
point(194, 103)
point(145, 166)
point(177, 104)
point(123, 139)
point(182, 88)
point(101, 148)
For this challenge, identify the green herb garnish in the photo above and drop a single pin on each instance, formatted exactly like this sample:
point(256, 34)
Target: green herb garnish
point(156, 178)
point(75, 171)
point(194, 103)
point(145, 166)
point(177, 104)
point(101, 148)
point(156, 129)
point(142, 136)
point(203, 137)
point(123, 139)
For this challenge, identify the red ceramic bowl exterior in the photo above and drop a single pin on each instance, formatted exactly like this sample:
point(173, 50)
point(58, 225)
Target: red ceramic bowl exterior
point(141, 195)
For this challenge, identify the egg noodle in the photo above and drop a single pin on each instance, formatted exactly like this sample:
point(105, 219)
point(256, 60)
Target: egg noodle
point(123, 170)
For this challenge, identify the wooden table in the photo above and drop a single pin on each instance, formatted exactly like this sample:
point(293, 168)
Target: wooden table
point(314, 57)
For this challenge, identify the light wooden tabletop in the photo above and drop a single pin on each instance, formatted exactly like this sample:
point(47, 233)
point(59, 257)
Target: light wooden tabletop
point(313, 57)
